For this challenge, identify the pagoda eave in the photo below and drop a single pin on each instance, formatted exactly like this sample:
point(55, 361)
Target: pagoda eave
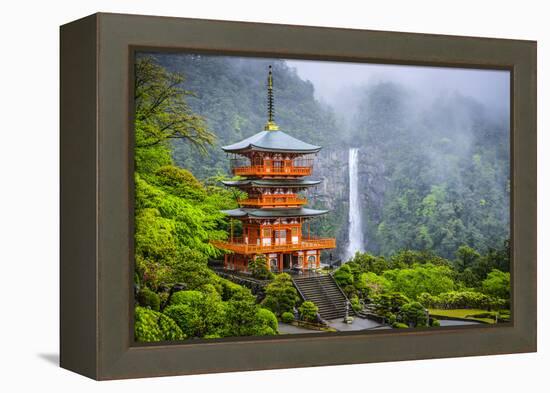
point(274, 213)
point(267, 183)
point(272, 141)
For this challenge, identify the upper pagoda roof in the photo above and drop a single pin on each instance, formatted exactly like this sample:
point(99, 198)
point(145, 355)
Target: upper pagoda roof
point(274, 213)
point(272, 140)
point(271, 183)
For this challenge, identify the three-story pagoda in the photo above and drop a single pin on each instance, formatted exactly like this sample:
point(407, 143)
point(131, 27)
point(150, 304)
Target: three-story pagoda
point(274, 219)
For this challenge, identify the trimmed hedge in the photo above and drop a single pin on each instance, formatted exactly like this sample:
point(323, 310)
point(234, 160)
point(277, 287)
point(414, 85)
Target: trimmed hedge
point(152, 326)
point(287, 317)
point(149, 299)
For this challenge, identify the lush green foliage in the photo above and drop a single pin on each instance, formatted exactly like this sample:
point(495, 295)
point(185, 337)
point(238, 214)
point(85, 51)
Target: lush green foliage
point(308, 311)
point(280, 295)
point(413, 314)
point(152, 326)
point(443, 166)
point(406, 283)
point(149, 299)
point(420, 278)
point(258, 268)
point(465, 299)
point(176, 217)
point(287, 317)
point(497, 284)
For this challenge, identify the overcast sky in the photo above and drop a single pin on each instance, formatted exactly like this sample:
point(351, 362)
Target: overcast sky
point(489, 87)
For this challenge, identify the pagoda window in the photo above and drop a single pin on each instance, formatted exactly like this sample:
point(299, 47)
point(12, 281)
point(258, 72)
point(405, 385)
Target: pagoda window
point(280, 237)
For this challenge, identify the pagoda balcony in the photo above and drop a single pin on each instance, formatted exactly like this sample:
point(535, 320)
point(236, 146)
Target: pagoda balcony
point(239, 246)
point(274, 201)
point(272, 167)
point(268, 170)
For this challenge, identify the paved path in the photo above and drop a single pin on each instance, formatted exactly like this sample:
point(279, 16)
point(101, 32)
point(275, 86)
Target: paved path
point(357, 324)
point(450, 322)
point(285, 328)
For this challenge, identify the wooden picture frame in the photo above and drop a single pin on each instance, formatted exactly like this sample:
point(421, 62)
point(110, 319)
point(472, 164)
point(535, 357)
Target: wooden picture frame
point(97, 195)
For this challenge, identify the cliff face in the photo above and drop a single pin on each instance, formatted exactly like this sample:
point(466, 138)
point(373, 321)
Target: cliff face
point(333, 168)
point(373, 183)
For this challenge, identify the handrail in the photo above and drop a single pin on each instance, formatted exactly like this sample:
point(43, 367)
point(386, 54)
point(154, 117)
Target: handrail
point(273, 200)
point(238, 246)
point(269, 170)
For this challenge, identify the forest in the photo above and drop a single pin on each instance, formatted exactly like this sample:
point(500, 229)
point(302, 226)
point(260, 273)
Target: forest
point(435, 204)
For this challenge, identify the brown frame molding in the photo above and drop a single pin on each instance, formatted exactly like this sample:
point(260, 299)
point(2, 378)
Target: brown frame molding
point(97, 195)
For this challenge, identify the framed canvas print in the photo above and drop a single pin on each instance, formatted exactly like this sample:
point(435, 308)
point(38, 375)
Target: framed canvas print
point(240, 196)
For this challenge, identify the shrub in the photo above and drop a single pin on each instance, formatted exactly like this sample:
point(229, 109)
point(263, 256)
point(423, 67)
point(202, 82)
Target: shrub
point(308, 311)
point(151, 326)
point(149, 299)
point(343, 276)
point(356, 304)
point(266, 319)
point(497, 284)
point(280, 295)
point(400, 325)
point(258, 268)
point(230, 289)
point(392, 319)
point(389, 303)
point(421, 278)
point(198, 314)
point(414, 314)
point(245, 318)
point(435, 322)
point(464, 299)
point(287, 317)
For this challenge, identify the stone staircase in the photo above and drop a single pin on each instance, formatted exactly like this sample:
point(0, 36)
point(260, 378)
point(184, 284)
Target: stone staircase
point(325, 293)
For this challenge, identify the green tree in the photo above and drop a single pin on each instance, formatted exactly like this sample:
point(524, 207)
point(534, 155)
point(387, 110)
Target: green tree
point(308, 311)
point(198, 314)
point(389, 303)
point(258, 267)
point(280, 295)
point(151, 326)
point(497, 284)
point(466, 257)
point(344, 275)
point(414, 314)
point(149, 299)
point(161, 109)
point(421, 278)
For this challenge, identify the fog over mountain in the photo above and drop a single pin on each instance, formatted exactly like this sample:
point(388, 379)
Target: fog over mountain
point(339, 83)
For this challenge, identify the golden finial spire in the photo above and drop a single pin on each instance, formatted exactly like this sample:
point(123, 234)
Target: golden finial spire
point(270, 125)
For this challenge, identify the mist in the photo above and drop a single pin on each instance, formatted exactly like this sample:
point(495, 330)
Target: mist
point(340, 84)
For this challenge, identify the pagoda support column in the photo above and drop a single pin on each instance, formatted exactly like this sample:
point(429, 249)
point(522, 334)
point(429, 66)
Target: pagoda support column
point(225, 261)
point(318, 259)
point(280, 267)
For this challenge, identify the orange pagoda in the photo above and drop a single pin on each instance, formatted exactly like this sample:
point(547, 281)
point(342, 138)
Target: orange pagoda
point(273, 165)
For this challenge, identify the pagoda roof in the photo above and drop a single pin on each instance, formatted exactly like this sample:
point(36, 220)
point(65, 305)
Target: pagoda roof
point(271, 140)
point(271, 183)
point(274, 213)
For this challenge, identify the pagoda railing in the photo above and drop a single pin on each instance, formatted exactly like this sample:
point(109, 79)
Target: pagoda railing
point(269, 170)
point(258, 166)
point(239, 246)
point(273, 200)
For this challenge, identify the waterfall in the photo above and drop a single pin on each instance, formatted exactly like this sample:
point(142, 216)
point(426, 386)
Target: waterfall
point(355, 230)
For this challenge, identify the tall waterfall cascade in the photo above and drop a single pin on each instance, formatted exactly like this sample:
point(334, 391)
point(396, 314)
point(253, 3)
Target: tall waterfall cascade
point(355, 227)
